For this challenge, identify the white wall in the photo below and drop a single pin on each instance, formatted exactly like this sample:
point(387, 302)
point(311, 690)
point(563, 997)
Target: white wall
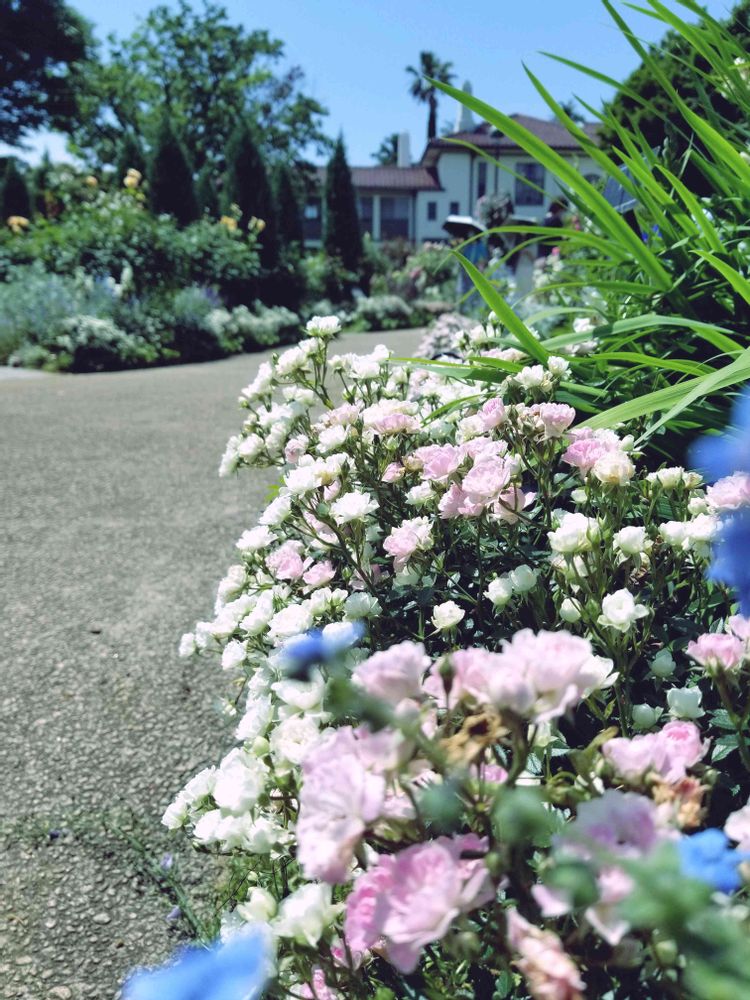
point(457, 171)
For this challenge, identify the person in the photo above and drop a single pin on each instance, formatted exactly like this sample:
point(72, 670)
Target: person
point(552, 220)
point(476, 253)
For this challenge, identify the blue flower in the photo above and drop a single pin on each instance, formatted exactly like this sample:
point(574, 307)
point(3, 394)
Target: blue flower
point(317, 646)
point(718, 455)
point(232, 971)
point(731, 557)
point(706, 856)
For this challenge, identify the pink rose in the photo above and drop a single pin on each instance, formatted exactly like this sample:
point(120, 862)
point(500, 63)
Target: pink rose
point(395, 673)
point(410, 537)
point(438, 462)
point(318, 989)
point(319, 574)
point(717, 651)
point(683, 748)
point(411, 898)
point(729, 493)
point(550, 973)
point(555, 417)
point(286, 563)
point(393, 473)
point(492, 413)
point(486, 480)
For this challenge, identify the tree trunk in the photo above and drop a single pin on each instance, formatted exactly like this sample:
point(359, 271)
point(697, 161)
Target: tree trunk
point(432, 120)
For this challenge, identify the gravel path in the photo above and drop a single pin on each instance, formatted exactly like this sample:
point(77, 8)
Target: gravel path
point(115, 531)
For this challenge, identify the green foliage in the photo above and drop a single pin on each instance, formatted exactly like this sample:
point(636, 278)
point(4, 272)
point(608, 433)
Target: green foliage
point(387, 152)
point(425, 78)
point(248, 187)
point(341, 237)
point(44, 44)
point(193, 334)
point(14, 193)
point(385, 312)
point(171, 190)
point(289, 209)
point(205, 192)
point(214, 73)
point(265, 326)
point(675, 266)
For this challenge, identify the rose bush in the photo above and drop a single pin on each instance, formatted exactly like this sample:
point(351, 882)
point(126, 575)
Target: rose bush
point(489, 711)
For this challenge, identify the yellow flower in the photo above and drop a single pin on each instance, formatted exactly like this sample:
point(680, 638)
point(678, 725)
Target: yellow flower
point(256, 225)
point(229, 222)
point(17, 223)
point(91, 181)
point(132, 178)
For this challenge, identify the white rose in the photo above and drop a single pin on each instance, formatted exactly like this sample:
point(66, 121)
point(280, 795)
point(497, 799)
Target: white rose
point(663, 664)
point(447, 615)
point(233, 655)
point(291, 361)
point(354, 506)
point(674, 533)
point(301, 696)
point(619, 611)
point(258, 907)
point(331, 438)
point(250, 447)
point(301, 480)
point(240, 780)
point(231, 457)
point(292, 740)
point(419, 495)
point(305, 914)
point(645, 716)
point(558, 366)
point(614, 468)
point(570, 610)
point(531, 377)
point(261, 614)
point(499, 591)
point(631, 540)
point(256, 719)
point(255, 539)
point(668, 479)
point(323, 326)
point(187, 645)
point(523, 578)
point(575, 533)
point(277, 511)
point(361, 605)
point(291, 621)
point(685, 703)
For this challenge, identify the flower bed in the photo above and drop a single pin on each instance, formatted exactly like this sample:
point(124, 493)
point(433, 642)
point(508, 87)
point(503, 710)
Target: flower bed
point(489, 718)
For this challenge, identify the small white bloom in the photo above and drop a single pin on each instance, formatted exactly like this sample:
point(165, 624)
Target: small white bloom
point(240, 780)
point(663, 664)
point(255, 539)
point(233, 655)
point(499, 591)
point(256, 621)
point(292, 740)
point(256, 719)
point(523, 578)
point(277, 511)
point(305, 914)
point(332, 438)
point(620, 611)
point(685, 703)
point(447, 615)
point(674, 533)
point(187, 645)
point(323, 326)
point(250, 447)
point(614, 468)
point(290, 621)
point(631, 540)
point(575, 533)
point(570, 610)
point(558, 366)
point(354, 506)
point(231, 456)
point(531, 377)
point(361, 605)
point(420, 495)
point(668, 479)
point(258, 907)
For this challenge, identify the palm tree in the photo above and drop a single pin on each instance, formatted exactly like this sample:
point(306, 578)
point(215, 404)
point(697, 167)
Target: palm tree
point(387, 155)
point(424, 91)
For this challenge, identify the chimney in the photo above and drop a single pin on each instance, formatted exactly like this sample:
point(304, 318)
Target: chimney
point(403, 154)
point(464, 118)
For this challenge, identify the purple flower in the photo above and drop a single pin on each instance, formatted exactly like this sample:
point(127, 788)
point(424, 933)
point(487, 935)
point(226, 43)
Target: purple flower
point(232, 971)
point(707, 856)
point(731, 557)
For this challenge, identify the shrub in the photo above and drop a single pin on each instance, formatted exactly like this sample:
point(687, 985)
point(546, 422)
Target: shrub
point(265, 326)
point(341, 234)
point(86, 344)
point(383, 312)
point(194, 336)
point(247, 186)
point(14, 194)
point(171, 189)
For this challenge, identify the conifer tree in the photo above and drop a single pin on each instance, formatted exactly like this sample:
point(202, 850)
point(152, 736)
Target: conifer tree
point(40, 184)
point(129, 157)
point(171, 190)
point(342, 237)
point(14, 196)
point(289, 209)
point(205, 192)
point(247, 186)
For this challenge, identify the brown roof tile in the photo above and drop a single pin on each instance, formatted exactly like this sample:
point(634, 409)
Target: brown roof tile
point(415, 178)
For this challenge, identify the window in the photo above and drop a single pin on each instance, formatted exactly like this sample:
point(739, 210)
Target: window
point(431, 211)
point(312, 223)
point(594, 179)
point(529, 173)
point(481, 179)
point(365, 213)
point(394, 218)
point(455, 208)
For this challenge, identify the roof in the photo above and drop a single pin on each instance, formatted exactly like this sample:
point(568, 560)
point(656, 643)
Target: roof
point(488, 138)
point(391, 178)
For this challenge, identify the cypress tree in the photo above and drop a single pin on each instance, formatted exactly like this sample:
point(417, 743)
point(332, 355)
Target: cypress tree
point(247, 186)
point(290, 211)
point(129, 156)
point(341, 237)
point(205, 192)
point(171, 190)
point(14, 197)
point(40, 184)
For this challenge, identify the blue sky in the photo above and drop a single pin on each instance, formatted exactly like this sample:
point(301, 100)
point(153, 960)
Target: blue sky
point(354, 54)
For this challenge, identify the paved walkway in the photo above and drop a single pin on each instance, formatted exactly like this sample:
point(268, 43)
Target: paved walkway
point(114, 530)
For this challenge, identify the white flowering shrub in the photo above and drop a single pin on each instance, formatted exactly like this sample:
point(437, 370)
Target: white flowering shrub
point(484, 694)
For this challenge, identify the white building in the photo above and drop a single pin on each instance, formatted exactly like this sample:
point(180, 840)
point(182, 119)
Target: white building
point(412, 201)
